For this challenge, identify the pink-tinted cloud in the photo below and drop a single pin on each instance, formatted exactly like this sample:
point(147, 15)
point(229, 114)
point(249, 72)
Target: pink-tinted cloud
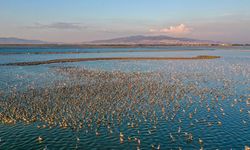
point(175, 30)
point(152, 30)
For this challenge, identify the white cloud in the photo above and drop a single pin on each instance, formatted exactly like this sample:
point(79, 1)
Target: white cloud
point(152, 30)
point(175, 30)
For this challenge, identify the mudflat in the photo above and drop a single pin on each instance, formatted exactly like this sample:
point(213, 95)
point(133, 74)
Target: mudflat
point(110, 58)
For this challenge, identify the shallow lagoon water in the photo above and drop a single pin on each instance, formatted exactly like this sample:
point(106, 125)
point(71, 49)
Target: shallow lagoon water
point(233, 69)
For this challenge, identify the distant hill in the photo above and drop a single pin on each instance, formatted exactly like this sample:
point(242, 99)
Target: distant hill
point(20, 41)
point(131, 40)
point(154, 40)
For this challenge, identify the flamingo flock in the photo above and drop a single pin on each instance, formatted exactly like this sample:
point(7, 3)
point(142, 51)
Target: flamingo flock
point(88, 100)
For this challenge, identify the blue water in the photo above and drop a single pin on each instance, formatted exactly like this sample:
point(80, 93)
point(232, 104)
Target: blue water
point(233, 69)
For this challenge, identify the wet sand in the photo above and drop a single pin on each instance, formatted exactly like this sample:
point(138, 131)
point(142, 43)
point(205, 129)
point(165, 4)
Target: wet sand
point(202, 57)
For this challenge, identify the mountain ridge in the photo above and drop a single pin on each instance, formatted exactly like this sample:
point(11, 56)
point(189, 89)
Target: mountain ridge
point(129, 40)
point(161, 39)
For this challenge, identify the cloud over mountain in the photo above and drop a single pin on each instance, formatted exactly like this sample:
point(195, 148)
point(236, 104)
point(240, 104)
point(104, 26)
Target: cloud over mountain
point(173, 30)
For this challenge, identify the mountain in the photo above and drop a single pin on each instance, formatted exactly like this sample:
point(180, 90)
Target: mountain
point(131, 40)
point(153, 40)
point(20, 41)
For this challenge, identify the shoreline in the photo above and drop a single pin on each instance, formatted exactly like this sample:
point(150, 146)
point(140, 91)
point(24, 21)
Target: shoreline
point(98, 52)
point(116, 45)
point(202, 57)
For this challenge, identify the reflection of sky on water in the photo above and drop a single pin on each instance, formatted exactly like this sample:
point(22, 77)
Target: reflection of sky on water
point(41, 57)
point(13, 75)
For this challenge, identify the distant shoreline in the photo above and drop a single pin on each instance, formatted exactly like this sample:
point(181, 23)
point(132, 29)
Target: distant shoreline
point(98, 52)
point(115, 45)
point(110, 58)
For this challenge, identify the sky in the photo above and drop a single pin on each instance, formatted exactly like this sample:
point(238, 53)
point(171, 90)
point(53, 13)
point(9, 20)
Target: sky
point(74, 21)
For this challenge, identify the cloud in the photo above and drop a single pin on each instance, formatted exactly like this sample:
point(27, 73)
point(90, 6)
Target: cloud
point(59, 25)
point(175, 30)
point(152, 30)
